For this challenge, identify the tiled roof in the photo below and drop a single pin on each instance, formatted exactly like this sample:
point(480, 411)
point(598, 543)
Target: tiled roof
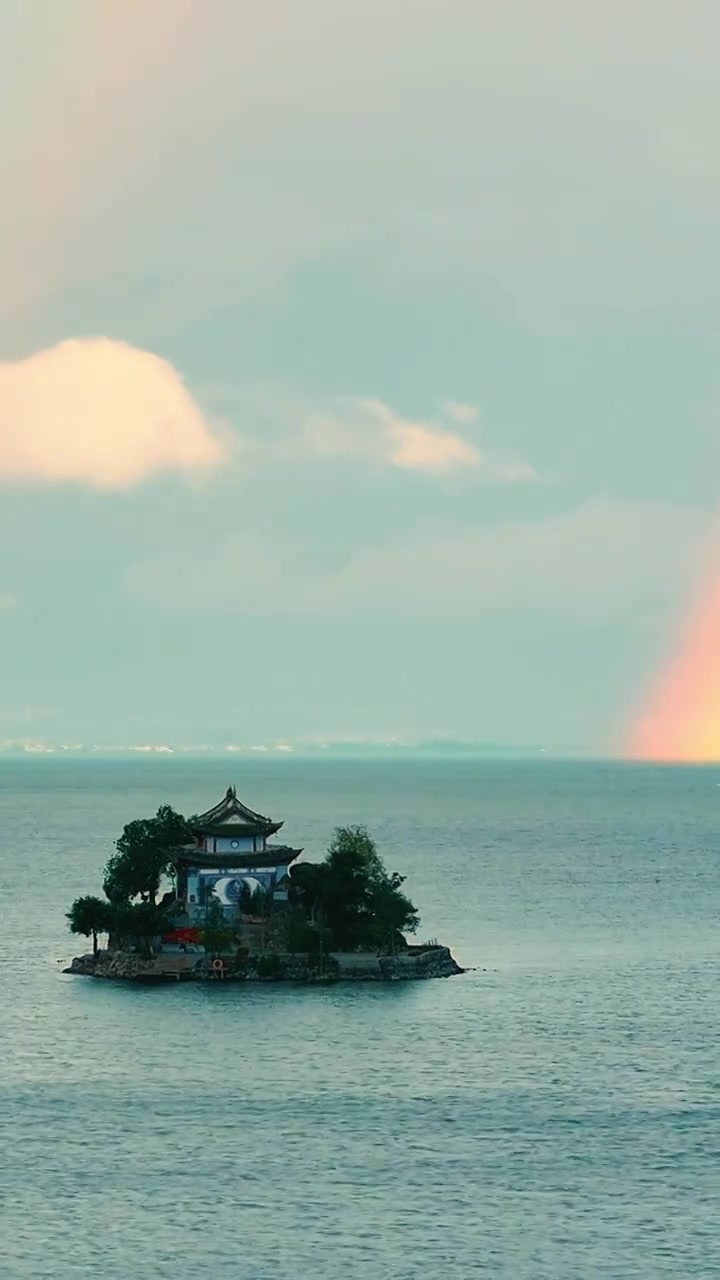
point(232, 815)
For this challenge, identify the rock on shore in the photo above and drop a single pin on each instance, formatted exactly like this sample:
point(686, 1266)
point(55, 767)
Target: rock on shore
point(413, 964)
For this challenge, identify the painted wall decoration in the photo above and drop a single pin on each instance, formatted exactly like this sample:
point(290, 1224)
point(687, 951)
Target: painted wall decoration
point(226, 886)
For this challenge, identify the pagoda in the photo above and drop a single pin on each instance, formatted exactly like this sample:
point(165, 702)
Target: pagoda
point(230, 854)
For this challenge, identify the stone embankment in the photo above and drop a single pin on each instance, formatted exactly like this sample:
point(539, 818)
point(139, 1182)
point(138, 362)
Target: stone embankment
point(413, 964)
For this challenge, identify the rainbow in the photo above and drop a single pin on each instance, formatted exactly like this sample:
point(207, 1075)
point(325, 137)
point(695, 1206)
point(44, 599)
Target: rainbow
point(91, 89)
point(681, 721)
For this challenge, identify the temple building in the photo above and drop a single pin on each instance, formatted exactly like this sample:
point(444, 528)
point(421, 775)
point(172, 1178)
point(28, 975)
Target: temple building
point(231, 855)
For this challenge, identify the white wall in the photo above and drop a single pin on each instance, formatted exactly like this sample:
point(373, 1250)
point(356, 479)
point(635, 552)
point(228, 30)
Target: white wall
point(234, 844)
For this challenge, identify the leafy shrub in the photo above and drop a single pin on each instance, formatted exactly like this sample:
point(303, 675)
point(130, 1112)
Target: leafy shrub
point(270, 967)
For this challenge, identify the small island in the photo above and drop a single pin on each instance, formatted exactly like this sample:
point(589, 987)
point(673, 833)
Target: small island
point(241, 907)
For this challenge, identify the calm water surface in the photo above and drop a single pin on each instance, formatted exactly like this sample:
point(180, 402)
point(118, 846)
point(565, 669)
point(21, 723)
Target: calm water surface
point(553, 1114)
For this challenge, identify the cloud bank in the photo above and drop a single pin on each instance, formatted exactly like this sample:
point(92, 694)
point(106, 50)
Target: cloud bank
point(101, 413)
point(606, 558)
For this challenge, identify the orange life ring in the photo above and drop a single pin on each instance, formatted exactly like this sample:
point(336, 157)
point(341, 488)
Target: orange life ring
point(218, 964)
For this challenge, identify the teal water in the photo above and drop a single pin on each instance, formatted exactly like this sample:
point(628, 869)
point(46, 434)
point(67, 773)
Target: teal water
point(553, 1114)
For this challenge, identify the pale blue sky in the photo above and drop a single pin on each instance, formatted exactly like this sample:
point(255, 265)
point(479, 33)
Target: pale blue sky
point(440, 279)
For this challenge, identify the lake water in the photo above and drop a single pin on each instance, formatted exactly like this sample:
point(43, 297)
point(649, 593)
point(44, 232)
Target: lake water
point(553, 1114)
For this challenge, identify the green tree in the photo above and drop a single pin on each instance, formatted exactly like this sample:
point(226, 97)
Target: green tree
point(392, 914)
point(255, 902)
point(136, 924)
point(307, 889)
point(145, 852)
point(300, 936)
point(217, 935)
point(352, 894)
point(89, 915)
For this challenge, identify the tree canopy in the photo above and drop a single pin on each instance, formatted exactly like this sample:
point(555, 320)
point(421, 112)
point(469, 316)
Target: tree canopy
point(138, 923)
point(352, 895)
point(145, 852)
point(132, 923)
point(89, 915)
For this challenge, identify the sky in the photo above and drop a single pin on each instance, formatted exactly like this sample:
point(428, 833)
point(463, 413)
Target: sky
point(359, 373)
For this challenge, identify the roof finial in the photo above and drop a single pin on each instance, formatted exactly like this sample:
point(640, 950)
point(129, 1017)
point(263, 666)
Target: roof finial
point(231, 793)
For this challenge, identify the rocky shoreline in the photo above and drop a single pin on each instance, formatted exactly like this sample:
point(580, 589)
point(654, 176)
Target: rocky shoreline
point(417, 963)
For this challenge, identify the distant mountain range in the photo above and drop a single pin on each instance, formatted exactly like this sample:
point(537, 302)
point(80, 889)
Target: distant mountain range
point(431, 749)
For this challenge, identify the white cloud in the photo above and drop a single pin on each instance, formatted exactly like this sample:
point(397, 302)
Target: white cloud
point(605, 558)
point(101, 413)
point(421, 446)
point(7, 601)
point(371, 429)
point(460, 412)
point(416, 447)
point(286, 428)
